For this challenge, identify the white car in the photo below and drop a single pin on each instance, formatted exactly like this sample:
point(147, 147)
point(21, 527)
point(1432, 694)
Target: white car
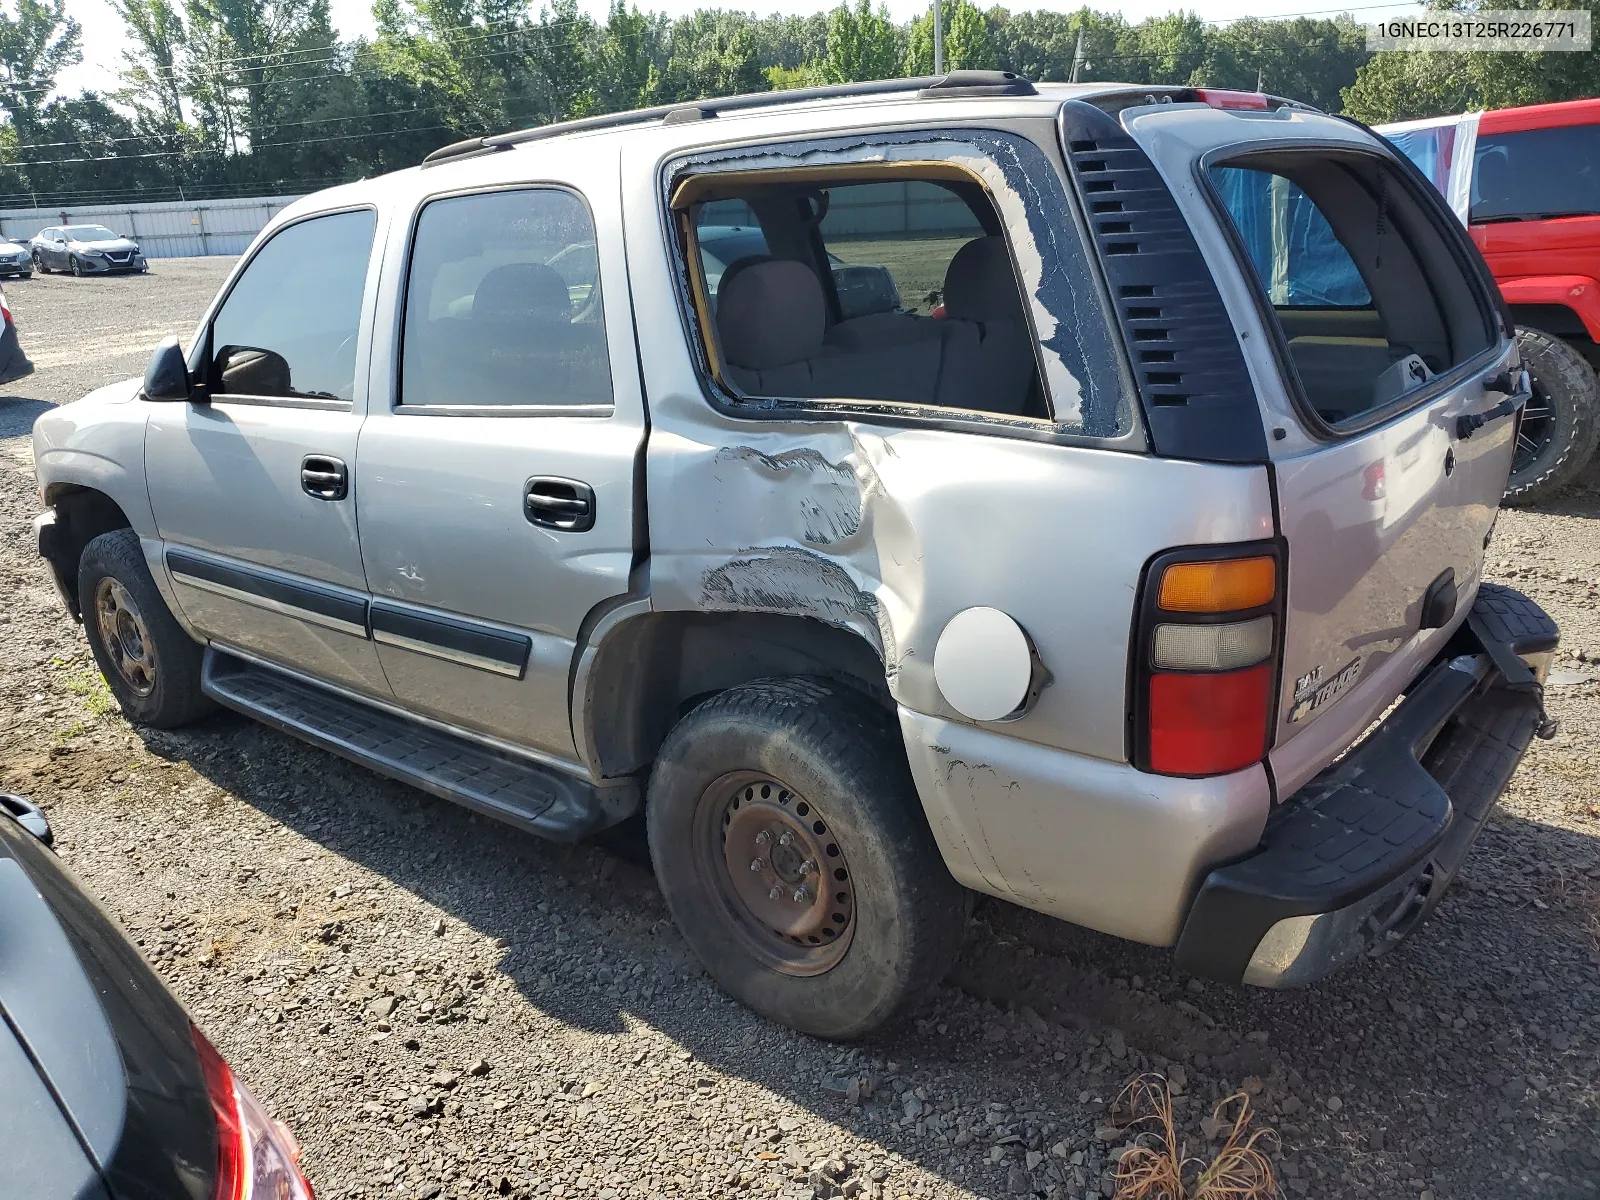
point(15, 262)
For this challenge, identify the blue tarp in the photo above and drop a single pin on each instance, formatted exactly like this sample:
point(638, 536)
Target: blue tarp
point(1293, 249)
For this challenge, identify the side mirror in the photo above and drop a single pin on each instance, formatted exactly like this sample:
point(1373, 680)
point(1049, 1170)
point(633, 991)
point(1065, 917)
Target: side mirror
point(29, 815)
point(166, 376)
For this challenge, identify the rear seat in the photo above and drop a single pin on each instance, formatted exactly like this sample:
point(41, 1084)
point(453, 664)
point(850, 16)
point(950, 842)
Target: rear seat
point(772, 322)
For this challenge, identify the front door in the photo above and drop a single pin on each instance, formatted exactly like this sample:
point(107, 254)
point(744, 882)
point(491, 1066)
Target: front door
point(252, 488)
point(496, 475)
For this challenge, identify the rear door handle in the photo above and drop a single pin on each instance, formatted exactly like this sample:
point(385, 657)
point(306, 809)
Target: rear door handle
point(556, 503)
point(324, 477)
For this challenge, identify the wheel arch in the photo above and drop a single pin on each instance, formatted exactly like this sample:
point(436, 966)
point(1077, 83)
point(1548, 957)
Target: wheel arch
point(82, 514)
point(640, 674)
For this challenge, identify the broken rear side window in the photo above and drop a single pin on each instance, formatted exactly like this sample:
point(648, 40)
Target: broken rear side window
point(1372, 302)
point(857, 279)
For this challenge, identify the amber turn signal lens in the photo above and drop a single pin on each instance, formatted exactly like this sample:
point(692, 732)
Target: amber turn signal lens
point(1213, 587)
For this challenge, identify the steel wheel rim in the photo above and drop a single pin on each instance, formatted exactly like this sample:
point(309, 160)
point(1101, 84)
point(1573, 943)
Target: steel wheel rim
point(778, 873)
point(125, 637)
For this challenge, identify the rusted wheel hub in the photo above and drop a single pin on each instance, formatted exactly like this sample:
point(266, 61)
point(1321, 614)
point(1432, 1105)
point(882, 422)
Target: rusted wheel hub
point(783, 873)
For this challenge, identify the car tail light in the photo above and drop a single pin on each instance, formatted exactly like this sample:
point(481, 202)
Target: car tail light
point(1223, 98)
point(1374, 485)
point(1205, 666)
point(257, 1157)
point(5, 309)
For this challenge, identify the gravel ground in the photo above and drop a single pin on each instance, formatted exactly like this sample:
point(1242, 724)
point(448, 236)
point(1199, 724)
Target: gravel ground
point(441, 1006)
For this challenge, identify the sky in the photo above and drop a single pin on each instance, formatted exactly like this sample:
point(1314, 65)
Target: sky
point(103, 41)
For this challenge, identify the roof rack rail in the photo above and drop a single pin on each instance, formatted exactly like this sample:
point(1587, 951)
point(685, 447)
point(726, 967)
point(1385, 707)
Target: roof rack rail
point(955, 85)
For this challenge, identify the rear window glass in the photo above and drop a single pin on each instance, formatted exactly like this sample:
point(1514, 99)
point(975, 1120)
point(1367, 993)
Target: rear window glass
point(1290, 243)
point(503, 303)
point(1370, 294)
point(1539, 173)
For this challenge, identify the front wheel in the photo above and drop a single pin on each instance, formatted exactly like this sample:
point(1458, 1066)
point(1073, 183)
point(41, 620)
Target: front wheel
point(790, 844)
point(38, 263)
point(150, 664)
point(77, 267)
point(1561, 424)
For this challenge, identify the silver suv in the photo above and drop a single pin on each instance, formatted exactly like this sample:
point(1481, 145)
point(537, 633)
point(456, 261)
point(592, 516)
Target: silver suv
point(1040, 491)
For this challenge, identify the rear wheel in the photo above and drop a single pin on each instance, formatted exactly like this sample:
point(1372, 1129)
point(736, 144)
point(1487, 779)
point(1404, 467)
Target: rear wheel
point(790, 844)
point(1561, 424)
point(150, 664)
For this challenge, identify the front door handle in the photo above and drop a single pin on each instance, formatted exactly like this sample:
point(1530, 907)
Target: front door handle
point(324, 477)
point(557, 503)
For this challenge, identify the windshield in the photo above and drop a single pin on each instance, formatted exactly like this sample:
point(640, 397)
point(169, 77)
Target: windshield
point(89, 233)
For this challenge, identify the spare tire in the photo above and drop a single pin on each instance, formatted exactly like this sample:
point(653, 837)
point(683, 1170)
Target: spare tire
point(1561, 424)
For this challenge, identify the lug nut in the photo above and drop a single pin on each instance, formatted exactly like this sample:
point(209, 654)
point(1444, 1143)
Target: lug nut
point(801, 895)
point(763, 837)
point(757, 864)
point(809, 867)
point(787, 839)
point(775, 893)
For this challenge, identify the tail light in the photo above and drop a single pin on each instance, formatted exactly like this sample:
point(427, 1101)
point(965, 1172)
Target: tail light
point(5, 309)
point(257, 1157)
point(1223, 98)
point(1205, 659)
point(1374, 485)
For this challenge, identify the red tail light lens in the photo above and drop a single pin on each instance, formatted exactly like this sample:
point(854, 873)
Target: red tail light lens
point(1205, 663)
point(257, 1157)
point(1209, 724)
point(1222, 98)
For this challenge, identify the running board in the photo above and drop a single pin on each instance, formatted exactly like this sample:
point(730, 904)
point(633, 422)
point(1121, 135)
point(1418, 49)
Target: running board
point(539, 799)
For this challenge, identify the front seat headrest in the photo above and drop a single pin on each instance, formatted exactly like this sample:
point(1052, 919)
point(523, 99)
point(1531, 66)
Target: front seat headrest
point(522, 292)
point(770, 313)
point(979, 284)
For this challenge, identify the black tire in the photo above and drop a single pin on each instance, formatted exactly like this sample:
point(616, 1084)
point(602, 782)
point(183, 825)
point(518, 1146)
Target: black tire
point(77, 267)
point(819, 753)
point(26, 275)
point(150, 664)
point(38, 263)
point(1561, 425)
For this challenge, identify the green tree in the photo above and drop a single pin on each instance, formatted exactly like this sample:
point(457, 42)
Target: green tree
point(628, 44)
point(1304, 59)
point(968, 45)
point(150, 69)
point(861, 45)
point(710, 53)
point(1400, 85)
point(36, 45)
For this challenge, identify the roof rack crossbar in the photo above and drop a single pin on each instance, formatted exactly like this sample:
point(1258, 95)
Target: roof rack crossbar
point(953, 85)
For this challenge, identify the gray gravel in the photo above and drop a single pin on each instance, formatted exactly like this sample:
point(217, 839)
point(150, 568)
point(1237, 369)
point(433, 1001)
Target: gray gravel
point(442, 1006)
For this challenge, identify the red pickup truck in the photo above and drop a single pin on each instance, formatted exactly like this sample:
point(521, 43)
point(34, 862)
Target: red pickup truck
point(1527, 183)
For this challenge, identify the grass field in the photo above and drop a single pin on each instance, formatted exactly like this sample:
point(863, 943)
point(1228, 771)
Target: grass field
point(917, 264)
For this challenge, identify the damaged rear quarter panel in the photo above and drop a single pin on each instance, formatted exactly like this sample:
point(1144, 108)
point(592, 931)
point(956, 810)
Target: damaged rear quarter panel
point(889, 526)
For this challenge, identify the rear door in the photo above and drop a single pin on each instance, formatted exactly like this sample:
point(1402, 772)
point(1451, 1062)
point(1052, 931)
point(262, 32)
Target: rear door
point(1362, 295)
point(497, 463)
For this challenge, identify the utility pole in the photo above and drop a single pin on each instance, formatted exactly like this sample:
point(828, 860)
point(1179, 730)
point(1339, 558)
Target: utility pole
point(1077, 57)
point(1260, 78)
point(938, 38)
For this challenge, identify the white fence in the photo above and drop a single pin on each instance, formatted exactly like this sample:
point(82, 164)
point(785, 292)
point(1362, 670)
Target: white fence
point(169, 229)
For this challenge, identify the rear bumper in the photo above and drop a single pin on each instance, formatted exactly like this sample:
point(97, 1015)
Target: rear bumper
point(1351, 864)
